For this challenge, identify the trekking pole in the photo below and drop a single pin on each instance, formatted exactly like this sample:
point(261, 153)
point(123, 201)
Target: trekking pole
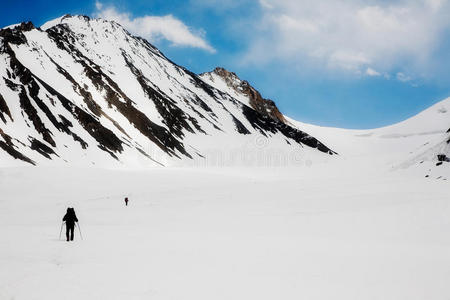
point(78, 225)
point(61, 229)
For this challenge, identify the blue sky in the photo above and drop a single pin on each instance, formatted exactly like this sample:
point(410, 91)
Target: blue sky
point(352, 63)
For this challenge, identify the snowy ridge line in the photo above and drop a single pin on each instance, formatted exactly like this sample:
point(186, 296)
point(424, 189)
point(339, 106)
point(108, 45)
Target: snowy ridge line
point(416, 143)
point(90, 93)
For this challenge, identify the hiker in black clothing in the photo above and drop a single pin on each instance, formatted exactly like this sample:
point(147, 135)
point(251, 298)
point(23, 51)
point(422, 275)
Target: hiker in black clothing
point(126, 201)
point(70, 218)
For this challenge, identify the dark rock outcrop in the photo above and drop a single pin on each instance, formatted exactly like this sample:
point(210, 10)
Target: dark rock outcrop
point(8, 147)
point(263, 106)
point(41, 148)
point(267, 125)
point(443, 157)
point(4, 109)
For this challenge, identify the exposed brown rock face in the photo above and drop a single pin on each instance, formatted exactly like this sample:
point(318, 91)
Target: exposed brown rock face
point(265, 107)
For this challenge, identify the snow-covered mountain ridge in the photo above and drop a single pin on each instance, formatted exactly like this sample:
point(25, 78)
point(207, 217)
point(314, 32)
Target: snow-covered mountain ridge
point(424, 137)
point(422, 141)
point(84, 91)
point(81, 91)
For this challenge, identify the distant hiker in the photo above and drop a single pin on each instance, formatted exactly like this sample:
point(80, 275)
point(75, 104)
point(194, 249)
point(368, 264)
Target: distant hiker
point(126, 201)
point(70, 218)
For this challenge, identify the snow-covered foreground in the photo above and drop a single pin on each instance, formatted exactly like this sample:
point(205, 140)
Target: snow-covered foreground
point(306, 233)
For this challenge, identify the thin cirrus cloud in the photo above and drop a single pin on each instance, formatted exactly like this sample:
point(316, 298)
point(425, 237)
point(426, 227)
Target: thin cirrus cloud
point(368, 38)
point(155, 28)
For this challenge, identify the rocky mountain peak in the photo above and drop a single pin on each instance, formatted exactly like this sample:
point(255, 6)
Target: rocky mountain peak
point(14, 34)
point(26, 26)
point(264, 106)
point(85, 91)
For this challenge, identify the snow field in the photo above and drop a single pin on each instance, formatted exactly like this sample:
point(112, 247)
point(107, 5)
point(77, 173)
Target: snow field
point(315, 233)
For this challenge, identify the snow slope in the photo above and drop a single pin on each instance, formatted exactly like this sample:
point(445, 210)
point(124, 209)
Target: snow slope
point(415, 141)
point(81, 91)
point(224, 234)
point(430, 124)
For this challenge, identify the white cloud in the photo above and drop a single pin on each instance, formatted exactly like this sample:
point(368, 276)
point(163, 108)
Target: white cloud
point(372, 72)
point(154, 28)
point(403, 77)
point(435, 4)
point(265, 4)
point(359, 36)
point(98, 5)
